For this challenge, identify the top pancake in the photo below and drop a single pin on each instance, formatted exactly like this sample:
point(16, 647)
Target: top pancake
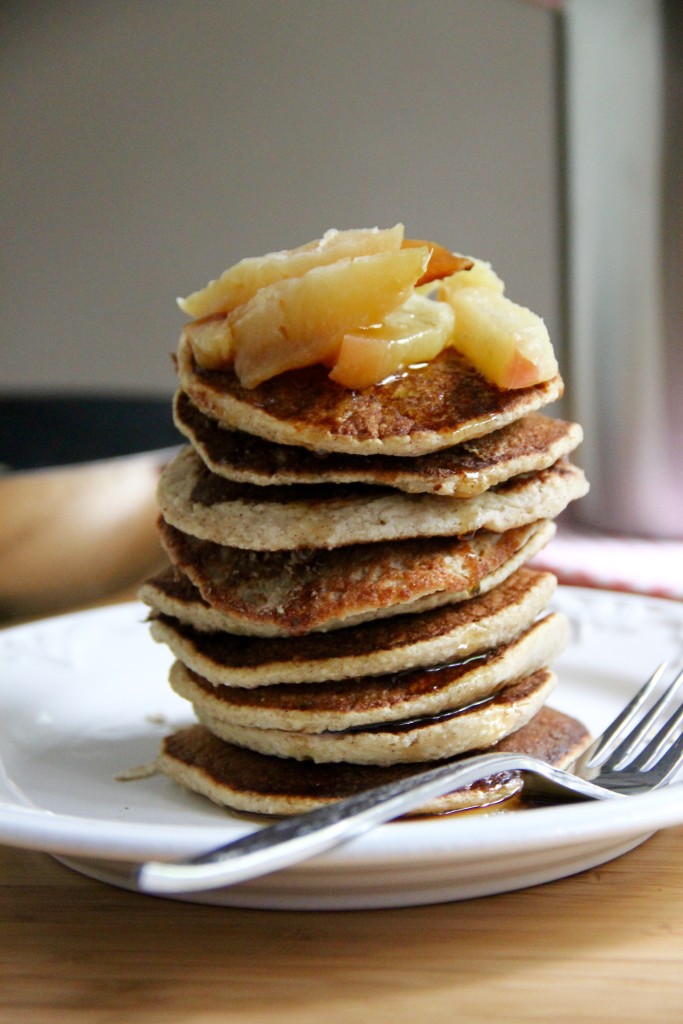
point(438, 405)
point(531, 443)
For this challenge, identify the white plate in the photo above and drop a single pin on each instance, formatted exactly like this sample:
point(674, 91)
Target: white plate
point(85, 697)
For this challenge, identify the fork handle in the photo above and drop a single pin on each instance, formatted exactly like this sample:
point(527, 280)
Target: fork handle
point(295, 839)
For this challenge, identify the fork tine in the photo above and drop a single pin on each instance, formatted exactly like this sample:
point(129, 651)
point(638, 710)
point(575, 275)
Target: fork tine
point(671, 760)
point(621, 756)
point(656, 749)
point(619, 726)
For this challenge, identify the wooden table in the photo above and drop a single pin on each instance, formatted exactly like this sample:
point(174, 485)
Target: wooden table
point(606, 945)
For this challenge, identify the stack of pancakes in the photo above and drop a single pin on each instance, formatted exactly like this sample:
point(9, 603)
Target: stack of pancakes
point(348, 598)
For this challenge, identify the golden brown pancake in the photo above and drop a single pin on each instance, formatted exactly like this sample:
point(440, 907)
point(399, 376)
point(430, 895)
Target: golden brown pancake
point(246, 781)
point(425, 738)
point(399, 643)
point(531, 443)
point(294, 592)
point(199, 502)
point(438, 405)
point(351, 703)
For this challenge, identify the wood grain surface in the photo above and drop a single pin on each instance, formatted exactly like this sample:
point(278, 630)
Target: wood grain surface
point(603, 946)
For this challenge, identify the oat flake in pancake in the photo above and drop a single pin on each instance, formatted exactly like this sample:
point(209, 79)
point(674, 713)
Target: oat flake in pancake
point(366, 700)
point(440, 404)
point(198, 502)
point(291, 593)
point(246, 781)
point(421, 739)
point(394, 644)
point(534, 442)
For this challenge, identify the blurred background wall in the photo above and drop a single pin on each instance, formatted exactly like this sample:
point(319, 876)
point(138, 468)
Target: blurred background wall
point(148, 144)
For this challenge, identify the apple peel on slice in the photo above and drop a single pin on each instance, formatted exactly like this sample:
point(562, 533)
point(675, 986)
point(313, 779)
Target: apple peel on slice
point(442, 262)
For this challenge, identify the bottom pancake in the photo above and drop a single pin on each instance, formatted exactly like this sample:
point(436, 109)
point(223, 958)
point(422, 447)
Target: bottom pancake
point(246, 781)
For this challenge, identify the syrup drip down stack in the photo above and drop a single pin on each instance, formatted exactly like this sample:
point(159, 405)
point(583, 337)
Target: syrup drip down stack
point(348, 597)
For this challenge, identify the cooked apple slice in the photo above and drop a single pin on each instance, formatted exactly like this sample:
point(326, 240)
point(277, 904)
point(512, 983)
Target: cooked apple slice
point(507, 343)
point(479, 274)
point(212, 342)
point(301, 321)
point(240, 282)
point(414, 333)
point(442, 262)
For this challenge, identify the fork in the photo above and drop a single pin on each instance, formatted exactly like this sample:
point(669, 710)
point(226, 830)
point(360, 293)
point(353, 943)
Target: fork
point(640, 751)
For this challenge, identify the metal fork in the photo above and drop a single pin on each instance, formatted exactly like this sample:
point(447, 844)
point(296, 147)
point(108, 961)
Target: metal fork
point(640, 751)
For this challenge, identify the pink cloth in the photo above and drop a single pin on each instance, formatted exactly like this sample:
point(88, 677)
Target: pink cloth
point(588, 559)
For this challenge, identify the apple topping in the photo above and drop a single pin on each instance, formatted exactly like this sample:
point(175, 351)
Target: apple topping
point(414, 333)
point(442, 262)
point(212, 342)
point(506, 343)
point(241, 282)
point(479, 274)
point(301, 321)
point(367, 304)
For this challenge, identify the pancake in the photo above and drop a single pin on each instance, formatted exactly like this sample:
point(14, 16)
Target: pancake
point(246, 781)
point(295, 592)
point(435, 406)
point(396, 644)
point(198, 502)
point(351, 703)
point(531, 443)
point(425, 738)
